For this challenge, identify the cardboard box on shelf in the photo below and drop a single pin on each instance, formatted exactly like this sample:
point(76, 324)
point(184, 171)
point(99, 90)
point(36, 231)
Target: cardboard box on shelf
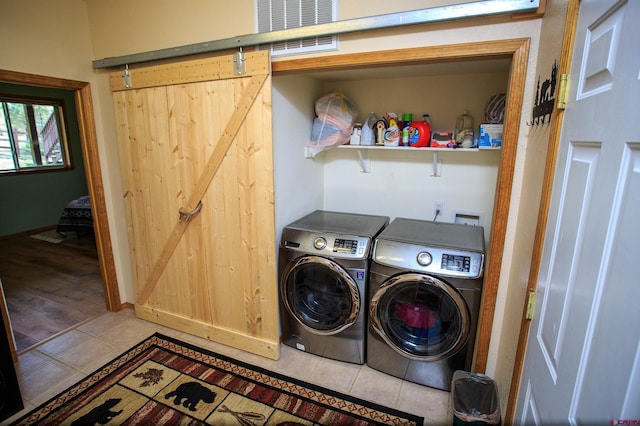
point(490, 136)
point(442, 140)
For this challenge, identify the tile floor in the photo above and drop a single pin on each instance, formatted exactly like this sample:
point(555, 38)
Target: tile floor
point(51, 367)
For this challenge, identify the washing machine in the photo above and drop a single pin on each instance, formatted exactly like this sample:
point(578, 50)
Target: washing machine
point(323, 270)
point(425, 286)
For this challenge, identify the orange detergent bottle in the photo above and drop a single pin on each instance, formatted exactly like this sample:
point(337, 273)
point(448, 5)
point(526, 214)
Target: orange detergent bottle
point(420, 133)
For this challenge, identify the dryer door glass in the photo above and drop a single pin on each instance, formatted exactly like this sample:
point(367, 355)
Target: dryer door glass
point(421, 317)
point(320, 294)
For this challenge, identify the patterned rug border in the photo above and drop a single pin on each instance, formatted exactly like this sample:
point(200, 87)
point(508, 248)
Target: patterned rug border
point(328, 398)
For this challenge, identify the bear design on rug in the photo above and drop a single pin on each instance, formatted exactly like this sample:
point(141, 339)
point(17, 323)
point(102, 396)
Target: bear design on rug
point(101, 414)
point(189, 394)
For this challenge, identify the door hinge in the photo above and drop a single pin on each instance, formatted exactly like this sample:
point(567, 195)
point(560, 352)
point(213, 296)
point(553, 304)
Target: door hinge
point(562, 92)
point(531, 304)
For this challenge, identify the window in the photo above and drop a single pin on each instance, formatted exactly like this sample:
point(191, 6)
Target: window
point(32, 135)
point(275, 15)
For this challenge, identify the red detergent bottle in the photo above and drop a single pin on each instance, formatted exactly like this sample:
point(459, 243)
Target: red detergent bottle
point(420, 132)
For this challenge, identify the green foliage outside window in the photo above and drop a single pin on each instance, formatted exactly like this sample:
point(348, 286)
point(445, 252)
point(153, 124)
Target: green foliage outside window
point(32, 136)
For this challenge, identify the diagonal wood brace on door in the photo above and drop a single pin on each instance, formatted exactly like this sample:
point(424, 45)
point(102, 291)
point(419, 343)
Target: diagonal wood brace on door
point(225, 140)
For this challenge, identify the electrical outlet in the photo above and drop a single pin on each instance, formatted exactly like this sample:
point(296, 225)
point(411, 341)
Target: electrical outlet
point(437, 208)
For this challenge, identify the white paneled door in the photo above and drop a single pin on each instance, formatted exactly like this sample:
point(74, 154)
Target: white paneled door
point(582, 364)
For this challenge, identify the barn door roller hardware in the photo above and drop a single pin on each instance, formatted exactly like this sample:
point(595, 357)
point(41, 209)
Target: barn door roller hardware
point(239, 67)
point(126, 77)
point(421, 16)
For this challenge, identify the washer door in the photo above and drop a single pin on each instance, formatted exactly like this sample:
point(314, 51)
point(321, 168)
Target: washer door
point(320, 294)
point(420, 316)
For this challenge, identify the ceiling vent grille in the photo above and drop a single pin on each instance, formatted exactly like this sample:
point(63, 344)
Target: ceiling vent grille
point(276, 15)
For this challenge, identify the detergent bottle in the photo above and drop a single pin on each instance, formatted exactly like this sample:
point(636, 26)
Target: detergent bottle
point(420, 132)
point(368, 136)
point(407, 119)
point(392, 134)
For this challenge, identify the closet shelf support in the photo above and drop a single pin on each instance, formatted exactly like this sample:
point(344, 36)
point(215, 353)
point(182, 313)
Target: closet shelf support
point(436, 165)
point(365, 160)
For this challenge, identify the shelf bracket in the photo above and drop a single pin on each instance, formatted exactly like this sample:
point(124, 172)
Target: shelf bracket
point(365, 161)
point(436, 165)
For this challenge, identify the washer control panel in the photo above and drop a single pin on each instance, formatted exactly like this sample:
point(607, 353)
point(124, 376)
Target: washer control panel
point(434, 260)
point(328, 244)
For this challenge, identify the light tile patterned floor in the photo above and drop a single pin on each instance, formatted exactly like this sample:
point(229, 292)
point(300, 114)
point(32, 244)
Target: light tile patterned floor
point(47, 369)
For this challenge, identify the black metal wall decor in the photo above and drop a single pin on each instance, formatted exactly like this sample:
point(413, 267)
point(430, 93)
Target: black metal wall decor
point(545, 98)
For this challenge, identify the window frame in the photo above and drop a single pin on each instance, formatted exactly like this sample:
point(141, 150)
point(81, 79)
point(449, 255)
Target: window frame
point(61, 112)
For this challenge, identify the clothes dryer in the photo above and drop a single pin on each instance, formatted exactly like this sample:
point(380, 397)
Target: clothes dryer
point(425, 286)
point(323, 267)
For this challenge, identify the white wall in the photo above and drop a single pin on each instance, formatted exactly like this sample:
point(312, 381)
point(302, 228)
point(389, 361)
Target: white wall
point(298, 182)
point(46, 38)
point(400, 184)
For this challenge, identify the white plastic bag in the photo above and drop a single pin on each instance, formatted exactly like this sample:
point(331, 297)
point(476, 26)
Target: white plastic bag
point(334, 122)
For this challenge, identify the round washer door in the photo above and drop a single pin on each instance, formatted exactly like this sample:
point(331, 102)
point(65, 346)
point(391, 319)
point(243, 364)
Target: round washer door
point(420, 316)
point(320, 294)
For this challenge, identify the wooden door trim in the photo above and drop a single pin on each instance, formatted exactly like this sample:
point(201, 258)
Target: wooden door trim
point(518, 51)
point(93, 172)
point(415, 56)
point(545, 200)
point(500, 220)
point(7, 324)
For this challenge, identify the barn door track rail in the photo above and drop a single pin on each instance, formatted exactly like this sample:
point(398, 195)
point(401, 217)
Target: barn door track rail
point(421, 16)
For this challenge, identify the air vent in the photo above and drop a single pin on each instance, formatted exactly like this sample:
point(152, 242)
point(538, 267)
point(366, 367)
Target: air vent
point(276, 15)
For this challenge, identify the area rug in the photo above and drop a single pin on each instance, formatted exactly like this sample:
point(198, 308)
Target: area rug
point(49, 236)
point(163, 381)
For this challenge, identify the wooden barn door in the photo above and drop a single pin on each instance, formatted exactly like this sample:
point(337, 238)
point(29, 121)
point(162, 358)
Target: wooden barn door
point(196, 162)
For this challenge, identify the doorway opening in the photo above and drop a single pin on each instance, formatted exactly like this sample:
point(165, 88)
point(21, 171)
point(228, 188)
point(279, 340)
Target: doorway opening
point(93, 175)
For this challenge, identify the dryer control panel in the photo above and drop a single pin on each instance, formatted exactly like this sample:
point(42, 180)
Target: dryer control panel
point(433, 260)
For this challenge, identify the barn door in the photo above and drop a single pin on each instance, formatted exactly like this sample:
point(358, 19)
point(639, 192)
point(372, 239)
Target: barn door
point(196, 162)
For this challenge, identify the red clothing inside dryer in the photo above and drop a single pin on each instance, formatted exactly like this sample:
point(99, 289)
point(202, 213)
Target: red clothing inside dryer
point(416, 315)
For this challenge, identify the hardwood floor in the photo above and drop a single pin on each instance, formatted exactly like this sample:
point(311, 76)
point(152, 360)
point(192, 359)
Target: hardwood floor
point(49, 287)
